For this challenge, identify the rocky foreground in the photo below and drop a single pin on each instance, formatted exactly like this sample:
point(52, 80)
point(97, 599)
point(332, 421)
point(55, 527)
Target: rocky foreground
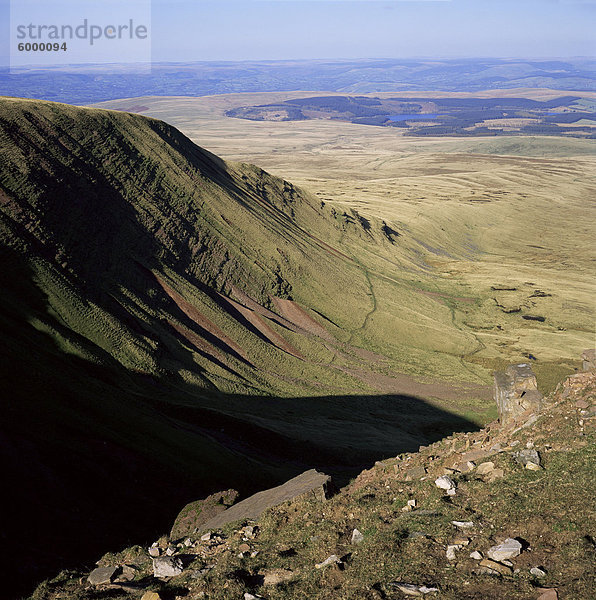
point(505, 512)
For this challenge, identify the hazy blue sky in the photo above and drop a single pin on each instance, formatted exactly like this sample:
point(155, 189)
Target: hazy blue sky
point(206, 30)
point(277, 29)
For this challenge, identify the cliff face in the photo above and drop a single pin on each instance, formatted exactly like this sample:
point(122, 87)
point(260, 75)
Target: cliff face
point(505, 512)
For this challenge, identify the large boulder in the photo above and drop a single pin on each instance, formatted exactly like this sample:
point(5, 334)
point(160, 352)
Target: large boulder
point(309, 483)
point(516, 392)
point(194, 515)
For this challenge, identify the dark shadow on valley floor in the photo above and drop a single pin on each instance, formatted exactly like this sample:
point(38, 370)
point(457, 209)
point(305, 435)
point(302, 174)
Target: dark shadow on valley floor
point(95, 457)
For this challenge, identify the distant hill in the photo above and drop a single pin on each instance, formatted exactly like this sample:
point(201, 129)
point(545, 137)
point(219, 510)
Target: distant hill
point(348, 76)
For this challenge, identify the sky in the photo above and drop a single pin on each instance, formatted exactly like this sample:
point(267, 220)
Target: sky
point(310, 29)
point(232, 30)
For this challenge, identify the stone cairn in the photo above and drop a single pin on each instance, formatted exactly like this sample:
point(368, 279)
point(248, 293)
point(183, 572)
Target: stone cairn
point(516, 393)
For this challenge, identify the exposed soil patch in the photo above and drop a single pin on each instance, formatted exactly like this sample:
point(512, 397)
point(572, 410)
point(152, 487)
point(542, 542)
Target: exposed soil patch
point(297, 315)
point(195, 315)
point(248, 302)
point(272, 336)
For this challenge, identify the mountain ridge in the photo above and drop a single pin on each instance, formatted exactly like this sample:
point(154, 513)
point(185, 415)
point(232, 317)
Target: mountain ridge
point(166, 312)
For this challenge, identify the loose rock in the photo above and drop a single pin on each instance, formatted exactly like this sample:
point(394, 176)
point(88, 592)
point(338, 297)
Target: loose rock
point(526, 456)
point(537, 572)
point(103, 575)
point(451, 551)
point(476, 555)
point(510, 548)
point(167, 566)
point(445, 482)
point(465, 467)
point(250, 531)
point(550, 594)
point(331, 560)
point(493, 565)
point(128, 573)
point(485, 468)
point(412, 590)
point(407, 588)
point(357, 537)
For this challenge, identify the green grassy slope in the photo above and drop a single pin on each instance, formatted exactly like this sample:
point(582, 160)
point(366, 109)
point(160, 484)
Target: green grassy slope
point(157, 303)
point(111, 205)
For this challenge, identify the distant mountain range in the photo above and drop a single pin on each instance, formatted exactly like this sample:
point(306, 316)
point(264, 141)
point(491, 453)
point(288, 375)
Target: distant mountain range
point(84, 85)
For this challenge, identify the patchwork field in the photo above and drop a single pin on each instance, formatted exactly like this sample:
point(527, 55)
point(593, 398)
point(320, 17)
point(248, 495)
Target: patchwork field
point(492, 256)
point(447, 116)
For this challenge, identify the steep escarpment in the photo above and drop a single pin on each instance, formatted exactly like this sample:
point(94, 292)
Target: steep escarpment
point(127, 224)
point(169, 317)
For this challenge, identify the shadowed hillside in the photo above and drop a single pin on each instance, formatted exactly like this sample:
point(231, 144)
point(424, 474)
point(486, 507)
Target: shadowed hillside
point(173, 325)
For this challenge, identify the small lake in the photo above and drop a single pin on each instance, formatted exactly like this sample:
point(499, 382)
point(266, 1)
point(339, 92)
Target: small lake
point(414, 116)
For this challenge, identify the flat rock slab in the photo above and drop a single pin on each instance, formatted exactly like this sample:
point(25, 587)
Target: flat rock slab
point(477, 455)
point(103, 575)
point(277, 576)
point(415, 473)
point(310, 482)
